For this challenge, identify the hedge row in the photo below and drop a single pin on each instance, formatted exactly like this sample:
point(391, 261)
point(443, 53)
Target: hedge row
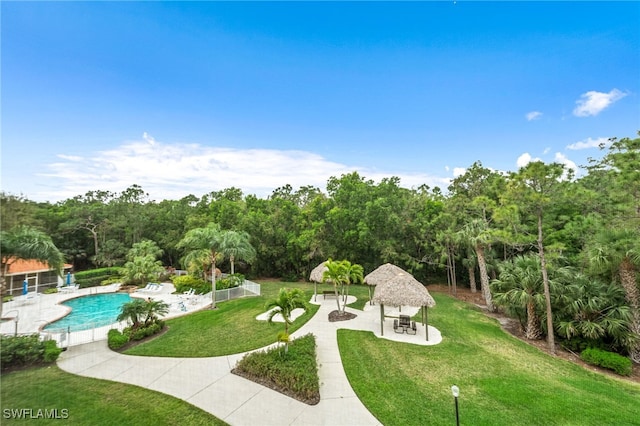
point(117, 339)
point(21, 351)
point(608, 360)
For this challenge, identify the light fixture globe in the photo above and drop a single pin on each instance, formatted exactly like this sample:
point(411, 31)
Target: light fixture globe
point(455, 391)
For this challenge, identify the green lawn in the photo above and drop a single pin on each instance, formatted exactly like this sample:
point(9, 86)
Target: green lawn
point(92, 402)
point(502, 380)
point(230, 329)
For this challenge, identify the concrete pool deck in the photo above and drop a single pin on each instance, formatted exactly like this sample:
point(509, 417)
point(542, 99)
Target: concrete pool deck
point(41, 309)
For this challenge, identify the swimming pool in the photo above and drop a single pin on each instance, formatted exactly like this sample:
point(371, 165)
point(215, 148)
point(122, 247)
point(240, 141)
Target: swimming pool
point(88, 312)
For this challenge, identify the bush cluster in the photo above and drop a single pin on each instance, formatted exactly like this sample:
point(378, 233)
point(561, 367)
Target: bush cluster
point(20, 351)
point(117, 339)
point(609, 360)
point(185, 282)
point(95, 277)
point(230, 281)
point(294, 374)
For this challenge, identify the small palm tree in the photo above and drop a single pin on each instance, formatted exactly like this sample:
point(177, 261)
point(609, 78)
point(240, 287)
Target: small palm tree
point(284, 304)
point(519, 288)
point(133, 312)
point(153, 309)
point(342, 273)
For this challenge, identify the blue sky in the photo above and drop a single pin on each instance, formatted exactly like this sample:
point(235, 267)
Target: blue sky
point(188, 98)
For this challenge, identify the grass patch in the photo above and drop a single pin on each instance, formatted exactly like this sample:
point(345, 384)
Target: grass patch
point(230, 329)
point(502, 380)
point(294, 373)
point(93, 402)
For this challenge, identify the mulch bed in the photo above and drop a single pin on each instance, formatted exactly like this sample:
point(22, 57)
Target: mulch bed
point(269, 384)
point(339, 316)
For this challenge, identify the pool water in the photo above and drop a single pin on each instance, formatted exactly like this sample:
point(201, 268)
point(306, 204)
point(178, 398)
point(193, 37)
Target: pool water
point(88, 312)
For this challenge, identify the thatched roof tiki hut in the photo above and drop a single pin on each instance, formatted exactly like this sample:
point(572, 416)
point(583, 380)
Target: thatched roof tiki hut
point(401, 289)
point(316, 276)
point(381, 275)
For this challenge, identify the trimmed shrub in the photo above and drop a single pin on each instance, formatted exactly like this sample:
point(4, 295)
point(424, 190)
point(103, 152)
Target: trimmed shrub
point(50, 290)
point(229, 281)
point(51, 351)
point(185, 282)
point(95, 277)
point(609, 360)
point(116, 340)
point(295, 374)
point(19, 351)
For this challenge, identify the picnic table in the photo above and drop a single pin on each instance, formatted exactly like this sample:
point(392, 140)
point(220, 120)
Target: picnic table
point(404, 325)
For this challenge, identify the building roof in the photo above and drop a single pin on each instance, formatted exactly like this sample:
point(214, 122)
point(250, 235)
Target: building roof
point(30, 266)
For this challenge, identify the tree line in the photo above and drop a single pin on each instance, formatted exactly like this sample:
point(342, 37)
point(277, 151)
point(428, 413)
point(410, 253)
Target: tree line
point(558, 251)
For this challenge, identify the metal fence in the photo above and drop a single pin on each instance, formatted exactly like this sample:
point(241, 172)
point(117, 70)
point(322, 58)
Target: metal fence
point(93, 331)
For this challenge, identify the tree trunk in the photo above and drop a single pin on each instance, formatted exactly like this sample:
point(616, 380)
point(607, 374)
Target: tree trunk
point(472, 279)
point(632, 294)
point(547, 293)
point(533, 331)
point(232, 260)
point(484, 278)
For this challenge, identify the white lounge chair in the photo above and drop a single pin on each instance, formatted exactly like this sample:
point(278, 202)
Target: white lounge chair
point(149, 287)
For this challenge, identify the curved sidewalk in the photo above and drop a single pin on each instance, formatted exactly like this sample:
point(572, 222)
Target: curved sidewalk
point(209, 384)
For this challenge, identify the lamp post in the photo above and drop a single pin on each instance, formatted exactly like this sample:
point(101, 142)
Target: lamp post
point(456, 392)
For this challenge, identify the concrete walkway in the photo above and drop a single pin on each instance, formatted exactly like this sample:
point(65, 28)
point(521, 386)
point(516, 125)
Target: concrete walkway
point(209, 384)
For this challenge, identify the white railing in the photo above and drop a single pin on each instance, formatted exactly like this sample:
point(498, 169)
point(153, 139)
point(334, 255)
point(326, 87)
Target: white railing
point(94, 331)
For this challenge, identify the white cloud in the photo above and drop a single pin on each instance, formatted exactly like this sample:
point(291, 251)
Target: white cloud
point(546, 151)
point(589, 143)
point(172, 171)
point(525, 159)
point(70, 157)
point(561, 158)
point(533, 115)
point(458, 171)
point(593, 103)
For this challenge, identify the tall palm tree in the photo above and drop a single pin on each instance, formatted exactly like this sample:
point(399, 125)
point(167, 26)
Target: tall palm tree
point(24, 242)
point(236, 246)
point(210, 240)
point(478, 236)
point(618, 251)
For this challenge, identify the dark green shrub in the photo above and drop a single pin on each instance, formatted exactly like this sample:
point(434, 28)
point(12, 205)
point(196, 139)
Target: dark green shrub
point(18, 351)
point(116, 339)
point(290, 277)
point(185, 282)
point(608, 360)
point(95, 277)
point(230, 281)
point(51, 351)
point(295, 374)
point(97, 273)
